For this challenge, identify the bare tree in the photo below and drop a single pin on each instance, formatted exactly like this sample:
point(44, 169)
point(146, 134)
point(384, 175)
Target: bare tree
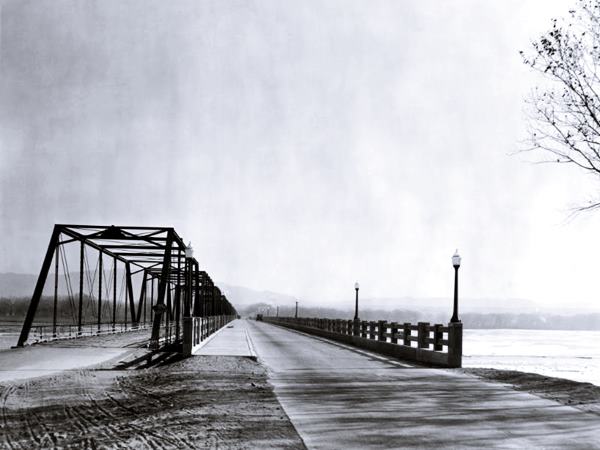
point(565, 107)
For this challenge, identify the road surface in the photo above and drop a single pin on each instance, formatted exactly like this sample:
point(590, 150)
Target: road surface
point(340, 397)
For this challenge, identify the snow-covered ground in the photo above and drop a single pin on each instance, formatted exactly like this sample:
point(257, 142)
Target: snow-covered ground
point(574, 355)
point(8, 337)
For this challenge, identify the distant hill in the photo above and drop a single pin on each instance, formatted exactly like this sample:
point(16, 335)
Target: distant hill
point(239, 295)
point(23, 284)
point(17, 284)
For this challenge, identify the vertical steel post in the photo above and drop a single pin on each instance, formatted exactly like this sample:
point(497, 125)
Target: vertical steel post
point(145, 299)
point(163, 282)
point(114, 311)
point(197, 305)
point(142, 301)
point(126, 302)
point(151, 298)
point(56, 256)
point(100, 292)
point(169, 315)
point(130, 292)
point(178, 297)
point(81, 261)
point(189, 294)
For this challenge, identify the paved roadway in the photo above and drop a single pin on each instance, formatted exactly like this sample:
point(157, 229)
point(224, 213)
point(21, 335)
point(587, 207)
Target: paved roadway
point(340, 397)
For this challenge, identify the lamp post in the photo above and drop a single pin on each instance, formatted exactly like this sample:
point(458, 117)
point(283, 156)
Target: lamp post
point(356, 288)
point(296, 316)
point(356, 327)
point(456, 263)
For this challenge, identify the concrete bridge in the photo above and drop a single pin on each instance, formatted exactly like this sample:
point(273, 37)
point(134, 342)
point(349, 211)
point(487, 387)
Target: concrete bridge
point(339, 395)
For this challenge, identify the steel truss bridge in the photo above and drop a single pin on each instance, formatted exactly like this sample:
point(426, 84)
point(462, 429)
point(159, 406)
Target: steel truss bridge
point(141, 277)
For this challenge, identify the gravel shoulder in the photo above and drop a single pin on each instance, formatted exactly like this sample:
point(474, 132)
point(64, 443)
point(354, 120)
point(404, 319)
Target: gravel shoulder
point(197, 402)
point(583, 396)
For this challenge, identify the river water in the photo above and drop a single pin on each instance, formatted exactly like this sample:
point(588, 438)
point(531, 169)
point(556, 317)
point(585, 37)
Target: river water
point(574, 355)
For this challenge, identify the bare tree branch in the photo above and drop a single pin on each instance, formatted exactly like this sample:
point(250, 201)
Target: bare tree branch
point(565, 108)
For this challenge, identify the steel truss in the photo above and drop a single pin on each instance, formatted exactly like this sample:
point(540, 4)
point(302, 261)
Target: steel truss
point(158, 253)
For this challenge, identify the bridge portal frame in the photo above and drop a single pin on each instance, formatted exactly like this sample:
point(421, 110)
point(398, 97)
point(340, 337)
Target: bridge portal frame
point(157, 252)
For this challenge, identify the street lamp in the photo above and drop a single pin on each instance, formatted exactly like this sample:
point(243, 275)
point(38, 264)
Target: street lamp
point(189, 251)
point(296, 316)
point(356, 288)
point(456, 263)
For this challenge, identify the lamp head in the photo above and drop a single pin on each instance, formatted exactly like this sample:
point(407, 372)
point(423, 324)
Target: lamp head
point(189, 251)
point(456, 259)
point(356, 286)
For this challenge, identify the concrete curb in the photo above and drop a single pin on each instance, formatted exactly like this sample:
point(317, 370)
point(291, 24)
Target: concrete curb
point(253, 356)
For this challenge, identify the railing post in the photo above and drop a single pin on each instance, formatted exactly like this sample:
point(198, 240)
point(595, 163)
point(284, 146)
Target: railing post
point(438, 335)
point(394, 332)
point(188, 335)
point(356, 327)
point(407, 333)
point(371, 330)
point(455, 332)
point(423, 334)
point(363, 329)
point(382, 329)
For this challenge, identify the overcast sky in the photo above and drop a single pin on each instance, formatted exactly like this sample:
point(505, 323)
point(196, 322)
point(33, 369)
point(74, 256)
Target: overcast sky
point(299, 145)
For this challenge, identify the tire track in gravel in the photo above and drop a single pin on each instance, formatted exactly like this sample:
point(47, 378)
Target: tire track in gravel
point(79, 416)
point(180, 443)
point(31, 429)
point(126, 386)
point(98, 417)
point(48, 434)
point(6, 392)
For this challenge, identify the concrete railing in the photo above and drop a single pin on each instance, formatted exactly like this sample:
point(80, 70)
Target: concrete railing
point(197, 329)
point(438, 345)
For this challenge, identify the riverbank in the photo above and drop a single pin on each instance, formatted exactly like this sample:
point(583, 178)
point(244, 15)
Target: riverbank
point(583, 396)
point(198, 402)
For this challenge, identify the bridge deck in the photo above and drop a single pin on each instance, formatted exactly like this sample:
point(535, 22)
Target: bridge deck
point(340, 397)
